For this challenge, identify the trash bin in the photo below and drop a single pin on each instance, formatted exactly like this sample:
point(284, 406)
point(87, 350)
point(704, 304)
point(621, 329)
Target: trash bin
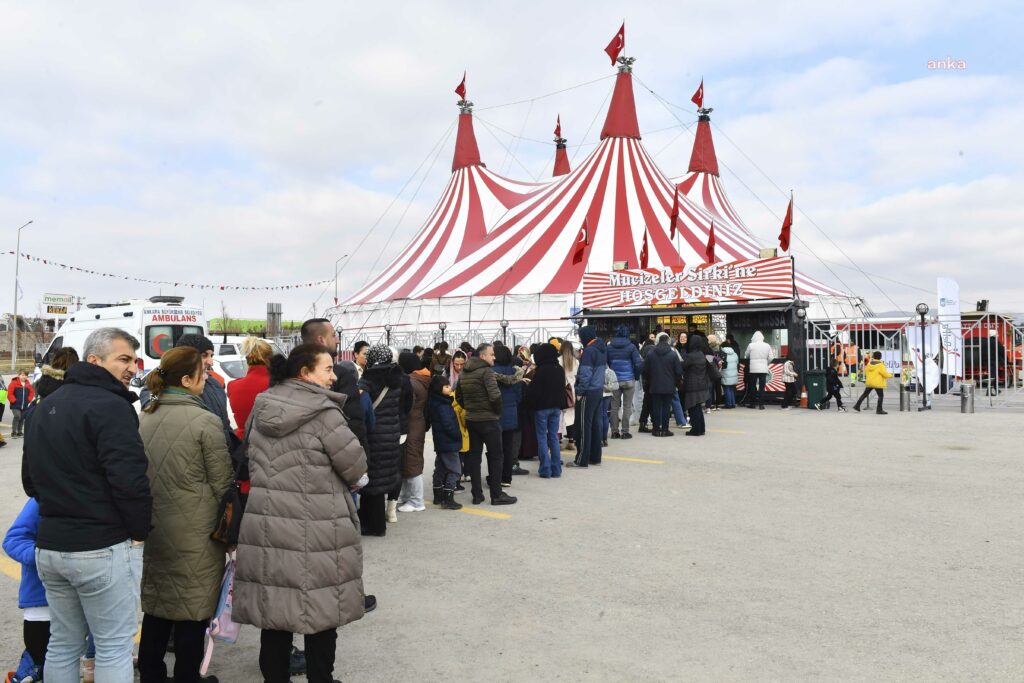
point(814, 380)
point(967, 397)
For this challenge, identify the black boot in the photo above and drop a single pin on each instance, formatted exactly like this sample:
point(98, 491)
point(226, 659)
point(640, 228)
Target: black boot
point(448, 501)
point(438, 495)
point(643, 428)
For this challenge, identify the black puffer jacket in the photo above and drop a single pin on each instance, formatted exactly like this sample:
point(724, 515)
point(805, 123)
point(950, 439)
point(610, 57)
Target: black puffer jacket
point(662, 370)
point(85, 463)
point(346, 384)
point(547, 389)
point(699, 376)
point(385, 453)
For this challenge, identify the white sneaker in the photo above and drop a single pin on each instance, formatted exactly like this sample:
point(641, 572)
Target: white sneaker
point(407, 507)
point(392, 511)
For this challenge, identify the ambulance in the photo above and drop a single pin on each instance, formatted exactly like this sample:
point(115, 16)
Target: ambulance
point(157, 322)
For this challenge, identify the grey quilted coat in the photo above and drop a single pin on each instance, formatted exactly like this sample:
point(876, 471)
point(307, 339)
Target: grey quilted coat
point(300, 561)
point(189, 471)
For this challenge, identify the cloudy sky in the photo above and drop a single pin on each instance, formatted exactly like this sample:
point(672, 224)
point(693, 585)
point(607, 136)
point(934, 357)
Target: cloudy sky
point(256, 143)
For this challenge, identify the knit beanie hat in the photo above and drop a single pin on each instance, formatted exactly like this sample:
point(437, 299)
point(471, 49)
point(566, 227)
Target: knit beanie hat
point(378, 355)
point(409, 362)
point(196, 341)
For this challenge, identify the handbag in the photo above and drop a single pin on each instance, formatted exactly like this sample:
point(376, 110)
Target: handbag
point(232, 505)
point(570, 396)
point(222, 627)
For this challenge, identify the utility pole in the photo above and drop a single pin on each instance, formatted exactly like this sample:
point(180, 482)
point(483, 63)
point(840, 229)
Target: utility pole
point(17, 263)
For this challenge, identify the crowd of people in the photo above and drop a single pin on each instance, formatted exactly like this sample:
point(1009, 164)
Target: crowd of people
point(122, 508)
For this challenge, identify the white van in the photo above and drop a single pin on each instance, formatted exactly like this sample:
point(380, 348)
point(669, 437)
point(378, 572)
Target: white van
point(157, 323)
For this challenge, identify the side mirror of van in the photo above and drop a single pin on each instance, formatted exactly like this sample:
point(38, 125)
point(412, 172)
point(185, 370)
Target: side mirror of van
point(137, 382)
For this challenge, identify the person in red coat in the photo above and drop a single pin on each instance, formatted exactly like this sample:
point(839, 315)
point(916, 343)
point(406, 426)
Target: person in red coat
point(242, 392)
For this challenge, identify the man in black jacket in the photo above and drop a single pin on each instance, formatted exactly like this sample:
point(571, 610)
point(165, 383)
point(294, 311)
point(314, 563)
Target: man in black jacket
point(662, 370)
point(85, 464)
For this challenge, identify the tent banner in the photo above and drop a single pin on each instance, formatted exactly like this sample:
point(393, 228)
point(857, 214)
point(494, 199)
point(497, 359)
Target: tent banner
point(950, 329)
point(733, 281)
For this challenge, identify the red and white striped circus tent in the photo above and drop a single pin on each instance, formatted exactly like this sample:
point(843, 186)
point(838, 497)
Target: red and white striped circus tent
point(497, 250)
point(702, 185)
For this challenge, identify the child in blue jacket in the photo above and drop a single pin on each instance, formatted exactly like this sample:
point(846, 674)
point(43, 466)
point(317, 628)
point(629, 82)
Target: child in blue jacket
point(447, 435)
point(20, 544)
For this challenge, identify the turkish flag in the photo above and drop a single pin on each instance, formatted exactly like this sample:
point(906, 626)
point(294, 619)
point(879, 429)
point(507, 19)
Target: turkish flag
point(643, 250)
point(710, 253)
point(582, 240)
point(698, 97)
point(787, 224)
point(675, 216)
point(618, 42)
point(558, 127)
point(461, 90)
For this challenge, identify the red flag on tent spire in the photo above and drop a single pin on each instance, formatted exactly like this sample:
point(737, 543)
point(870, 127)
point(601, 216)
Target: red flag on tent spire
point(558, 127)
point(643, 250)
point(787, 224)
point(582, 240)
point(710, 252)
point(698, 97)
point(461, 90)
point(617, 44)
point(675, 216)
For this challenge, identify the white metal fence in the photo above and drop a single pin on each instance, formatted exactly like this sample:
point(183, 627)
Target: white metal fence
point(991, 357)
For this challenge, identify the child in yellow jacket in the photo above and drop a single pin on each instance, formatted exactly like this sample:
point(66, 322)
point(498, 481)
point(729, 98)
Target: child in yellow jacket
point(876, 375)
point(460, 413)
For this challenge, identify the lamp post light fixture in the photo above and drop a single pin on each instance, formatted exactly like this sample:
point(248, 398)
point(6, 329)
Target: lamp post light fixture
point(387, 331)
point(504, 331)
point(442, 327)
point(922, 310)
point(17, 263)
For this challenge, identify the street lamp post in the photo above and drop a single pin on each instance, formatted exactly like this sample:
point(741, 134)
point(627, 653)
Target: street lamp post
point(387, 331)
point(442, 327)
point(922, 310)
point(336, 277)
point(504, 331)
point(17, 263)
point(801, 315)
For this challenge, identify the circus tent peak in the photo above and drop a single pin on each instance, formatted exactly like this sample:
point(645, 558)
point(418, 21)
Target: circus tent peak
point(474, 199)
point(561, 157)
point(621, 121)
point(466, 151)
point(703, 159)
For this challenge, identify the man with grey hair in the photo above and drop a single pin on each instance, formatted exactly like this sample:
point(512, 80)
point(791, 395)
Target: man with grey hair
point(85, 464)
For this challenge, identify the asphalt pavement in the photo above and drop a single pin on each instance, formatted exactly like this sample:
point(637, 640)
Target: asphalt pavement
point(783, 545)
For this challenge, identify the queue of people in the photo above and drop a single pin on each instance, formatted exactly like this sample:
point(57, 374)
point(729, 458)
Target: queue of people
point(122, 509)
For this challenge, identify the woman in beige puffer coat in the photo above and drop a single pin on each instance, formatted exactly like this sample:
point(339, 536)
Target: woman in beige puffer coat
point(300, 561)
point(189, 472)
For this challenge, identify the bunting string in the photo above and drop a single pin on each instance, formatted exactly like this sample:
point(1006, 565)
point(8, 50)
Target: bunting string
point(190, 285)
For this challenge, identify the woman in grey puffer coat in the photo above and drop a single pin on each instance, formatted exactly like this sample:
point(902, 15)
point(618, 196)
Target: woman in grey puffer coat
point(300, 559)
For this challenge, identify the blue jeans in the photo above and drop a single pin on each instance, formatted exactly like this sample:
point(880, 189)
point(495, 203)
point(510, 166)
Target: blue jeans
point(677, 410)
point(93, 591)
point(545, 423)
point(730, 395)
